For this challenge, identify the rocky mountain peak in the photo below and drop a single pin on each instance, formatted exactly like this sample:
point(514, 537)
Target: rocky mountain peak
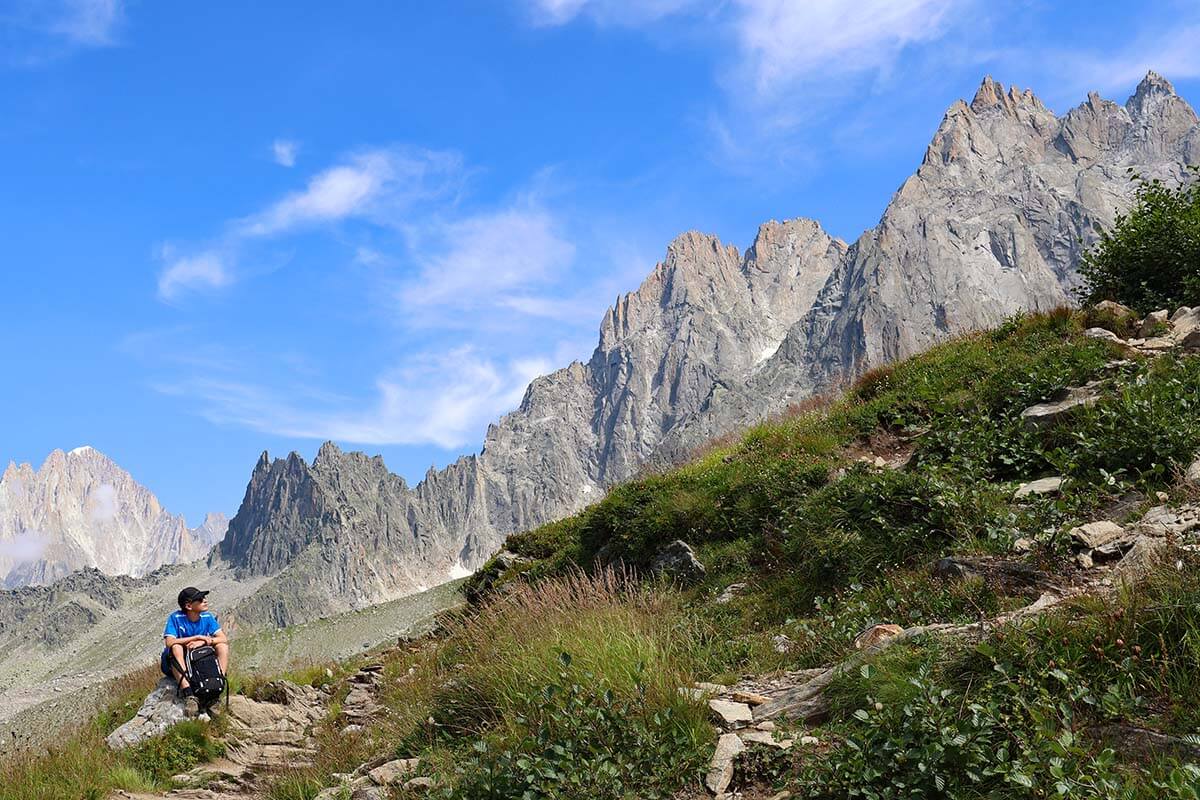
point(1151, 85)
point(80, 509)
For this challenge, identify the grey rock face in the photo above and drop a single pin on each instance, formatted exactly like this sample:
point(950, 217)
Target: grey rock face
point(80, 510)
point(990, 225)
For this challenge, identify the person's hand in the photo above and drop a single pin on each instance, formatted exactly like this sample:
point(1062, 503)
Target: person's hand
point(192, 645)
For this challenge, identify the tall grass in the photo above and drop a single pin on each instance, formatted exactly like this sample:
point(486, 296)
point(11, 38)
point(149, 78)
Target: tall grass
point(619, 632)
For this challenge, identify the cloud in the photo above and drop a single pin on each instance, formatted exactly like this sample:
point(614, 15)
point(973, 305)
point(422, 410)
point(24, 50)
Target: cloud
point(620, 12)
point(377, 185)
point(478, 260)
point(782, 41)
point(338, 192)
point(24, 547)
point(1172, 52)
point(87, 22)
point(102, 503)
point(207, 270)
point(284, 152)
point(778, 42)
point(445, 399)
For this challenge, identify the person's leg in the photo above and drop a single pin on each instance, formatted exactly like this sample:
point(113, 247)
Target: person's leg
point(223, 656)
point(178, 670)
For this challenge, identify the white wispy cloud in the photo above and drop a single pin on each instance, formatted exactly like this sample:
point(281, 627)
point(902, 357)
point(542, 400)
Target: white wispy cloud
point(378, 185)
point(204, 270)
point(777, 42)
point(622, 12)
point(479, 260)
point(445, 399)
point(782, 41)
point(34, 33)
point(284, 152)
point(356, 188)
point(1172, 52)
point(87, 22)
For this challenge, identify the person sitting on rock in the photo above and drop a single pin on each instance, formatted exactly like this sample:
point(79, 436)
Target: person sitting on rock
point(192, 626)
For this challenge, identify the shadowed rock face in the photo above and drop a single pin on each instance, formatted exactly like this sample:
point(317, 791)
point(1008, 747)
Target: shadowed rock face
point(990, 224)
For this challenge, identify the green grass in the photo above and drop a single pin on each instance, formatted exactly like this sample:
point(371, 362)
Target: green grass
point(80, 764)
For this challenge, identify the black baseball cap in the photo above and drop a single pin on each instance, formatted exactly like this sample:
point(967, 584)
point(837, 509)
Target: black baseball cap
point(190, 595)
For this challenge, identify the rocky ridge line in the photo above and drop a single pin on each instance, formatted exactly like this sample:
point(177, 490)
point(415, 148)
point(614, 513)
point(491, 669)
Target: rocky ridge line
point(992, 223)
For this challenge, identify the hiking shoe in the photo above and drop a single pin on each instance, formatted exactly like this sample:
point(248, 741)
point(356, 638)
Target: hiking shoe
point(191, 706)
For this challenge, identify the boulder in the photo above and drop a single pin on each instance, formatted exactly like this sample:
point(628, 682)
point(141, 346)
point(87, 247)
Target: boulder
point(161, 709)
point(1184, 322)
point(1154, 324)
point(1115, 308)
point(720, 770)
point(1145, 553)
point(678, 562)
point(1039, 487)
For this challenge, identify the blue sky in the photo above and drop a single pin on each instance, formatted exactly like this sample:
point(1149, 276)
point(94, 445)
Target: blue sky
point(230, 227)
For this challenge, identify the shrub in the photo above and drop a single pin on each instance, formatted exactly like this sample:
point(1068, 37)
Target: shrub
point(1151, 257)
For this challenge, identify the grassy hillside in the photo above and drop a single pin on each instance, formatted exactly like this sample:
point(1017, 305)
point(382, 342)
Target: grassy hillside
point(564, 682)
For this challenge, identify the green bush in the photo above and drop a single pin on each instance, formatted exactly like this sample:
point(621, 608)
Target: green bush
point(182, 747)
point(1151, 258)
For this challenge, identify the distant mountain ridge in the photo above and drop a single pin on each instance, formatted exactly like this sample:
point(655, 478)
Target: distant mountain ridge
point(80, 510)
point(993, 222)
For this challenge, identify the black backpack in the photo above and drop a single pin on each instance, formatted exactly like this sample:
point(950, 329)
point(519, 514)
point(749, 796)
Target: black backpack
point(205, 676)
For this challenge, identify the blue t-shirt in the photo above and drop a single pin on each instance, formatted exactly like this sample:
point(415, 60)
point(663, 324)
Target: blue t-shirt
point(179, 626)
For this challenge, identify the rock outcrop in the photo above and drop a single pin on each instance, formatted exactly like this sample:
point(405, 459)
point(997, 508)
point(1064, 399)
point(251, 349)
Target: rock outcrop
point(993, 222)
point(81, 510)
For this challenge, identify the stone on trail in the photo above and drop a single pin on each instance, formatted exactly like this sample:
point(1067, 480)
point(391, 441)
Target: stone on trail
point(1097, 534)
point(876, 634)
point(766, 738)
point(731, 715)
point(393, 771)
point(720, 771)
point(1039, 487)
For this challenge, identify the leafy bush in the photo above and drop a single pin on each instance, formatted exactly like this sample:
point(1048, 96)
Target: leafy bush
point(182, 747)
point(1151, 258)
